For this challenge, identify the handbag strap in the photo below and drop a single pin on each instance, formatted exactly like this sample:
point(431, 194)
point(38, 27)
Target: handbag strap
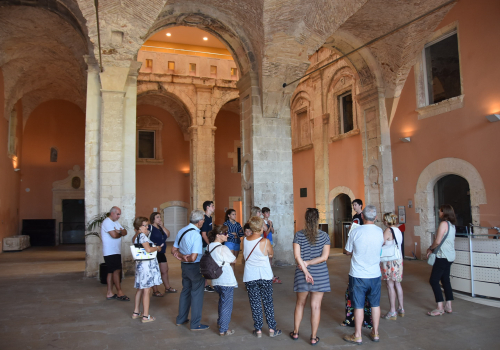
point(394, 236)
point(253, 249)
point(436, 250)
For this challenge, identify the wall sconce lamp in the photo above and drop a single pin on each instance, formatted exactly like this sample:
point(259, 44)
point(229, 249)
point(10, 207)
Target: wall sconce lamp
point(493, 118)
point(17, 169)
point(405, 139)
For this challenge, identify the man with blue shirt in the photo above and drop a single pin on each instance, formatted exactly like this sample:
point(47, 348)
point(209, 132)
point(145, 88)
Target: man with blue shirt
point(365, 245)
point(188, 248)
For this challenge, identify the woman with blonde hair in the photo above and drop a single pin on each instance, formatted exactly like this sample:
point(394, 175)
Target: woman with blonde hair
point(258, 277)
point(392, 271)
point(311, 248)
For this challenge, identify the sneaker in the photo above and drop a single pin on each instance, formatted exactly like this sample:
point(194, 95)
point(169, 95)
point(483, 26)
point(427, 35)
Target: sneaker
point(209, 289)
point(201, 327)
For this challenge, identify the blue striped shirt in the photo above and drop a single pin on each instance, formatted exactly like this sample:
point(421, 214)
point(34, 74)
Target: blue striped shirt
point(234, 232)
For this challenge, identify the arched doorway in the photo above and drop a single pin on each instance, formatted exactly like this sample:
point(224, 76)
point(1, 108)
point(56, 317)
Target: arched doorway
point(454, 190)
point(341, 213)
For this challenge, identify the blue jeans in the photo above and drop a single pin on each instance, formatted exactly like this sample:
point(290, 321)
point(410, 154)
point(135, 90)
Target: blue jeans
point(191, 297)
point(361, 288)
point(232, 246)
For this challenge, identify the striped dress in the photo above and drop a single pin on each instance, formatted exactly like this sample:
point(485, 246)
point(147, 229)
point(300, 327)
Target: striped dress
point(319, 272)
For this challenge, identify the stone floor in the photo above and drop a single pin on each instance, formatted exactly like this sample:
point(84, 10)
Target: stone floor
point(46, 303)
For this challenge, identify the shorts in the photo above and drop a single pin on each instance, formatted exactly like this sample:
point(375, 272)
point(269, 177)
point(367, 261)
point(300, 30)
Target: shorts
point(361, 288)
point(233, 246)
point(113, 262)
point(161, 257)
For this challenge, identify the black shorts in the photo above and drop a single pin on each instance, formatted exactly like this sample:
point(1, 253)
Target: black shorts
point(161, 257)
point(113, 262)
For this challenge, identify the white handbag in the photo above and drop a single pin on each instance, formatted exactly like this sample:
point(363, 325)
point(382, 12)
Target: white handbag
point(139, 253)
point(391, 252)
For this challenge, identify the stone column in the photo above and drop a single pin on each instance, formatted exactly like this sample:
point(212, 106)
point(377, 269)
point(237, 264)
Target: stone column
point(377, 156)
point(92, 138)
point(112, 167)
point(202, 164)
point(267, 161)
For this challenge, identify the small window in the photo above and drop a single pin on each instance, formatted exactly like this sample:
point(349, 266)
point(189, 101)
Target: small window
point(346, 113)
point(171, 65)
point(192, 68)
point(442, 69)
point(239, 158)
point(234, 72)
point(149, 63)
point(213, 71)
point(146, 149)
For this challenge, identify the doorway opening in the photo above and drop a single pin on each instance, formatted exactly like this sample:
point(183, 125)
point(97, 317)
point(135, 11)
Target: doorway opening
point(342, 213)
point(72, 227)
point(454, 190)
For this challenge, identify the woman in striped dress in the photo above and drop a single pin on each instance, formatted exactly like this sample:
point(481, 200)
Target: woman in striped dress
point(234, 232)
point(311, 248)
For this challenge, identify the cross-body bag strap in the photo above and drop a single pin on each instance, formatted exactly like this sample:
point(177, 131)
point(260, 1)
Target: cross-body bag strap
point(180, 239)
point(253, 249)
point(436, 250)
point(394, 237)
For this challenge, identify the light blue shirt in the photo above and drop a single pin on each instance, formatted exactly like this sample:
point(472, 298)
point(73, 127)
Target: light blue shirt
point(191, 242)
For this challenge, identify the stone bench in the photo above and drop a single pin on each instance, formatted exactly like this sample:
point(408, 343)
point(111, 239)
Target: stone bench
point(18, 242)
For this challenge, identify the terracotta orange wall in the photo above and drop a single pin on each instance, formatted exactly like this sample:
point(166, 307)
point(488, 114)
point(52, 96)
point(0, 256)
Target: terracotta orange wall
point(55, 123)
point(346, 165)
point(9, 179)
point(463, 133)
point(157, 184)
point(227, 184)
point(303, 177)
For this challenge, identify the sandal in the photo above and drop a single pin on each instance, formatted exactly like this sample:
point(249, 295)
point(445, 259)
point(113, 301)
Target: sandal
point(352, 339)
point(123, 298)
point(113, 297)
point(277, 280)
point(148, 318)
point(157, 294)
point(293, 335)
point(435, 312)
point(401, 312)
point(170, 290)
point(275, 333)
point(391, 316)
point(257, 333)
point(374, 337)
point(226, 333)
point(447, 311)
point(136, 315)
point(316, 341)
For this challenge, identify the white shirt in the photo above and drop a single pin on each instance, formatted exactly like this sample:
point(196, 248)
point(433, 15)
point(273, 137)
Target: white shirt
point(223, 255)
point(365, 244)
point(399, 238)
point(257, 267)
point(110, 245)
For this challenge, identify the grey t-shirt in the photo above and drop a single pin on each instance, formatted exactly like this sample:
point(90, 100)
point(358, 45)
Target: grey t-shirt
point(365, 244)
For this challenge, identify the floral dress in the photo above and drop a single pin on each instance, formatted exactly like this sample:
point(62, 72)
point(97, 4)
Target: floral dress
point(392, 270)
point(349, 313)
point(147, 272)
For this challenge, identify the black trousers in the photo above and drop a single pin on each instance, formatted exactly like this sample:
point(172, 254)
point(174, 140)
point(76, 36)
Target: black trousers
point(441, 272)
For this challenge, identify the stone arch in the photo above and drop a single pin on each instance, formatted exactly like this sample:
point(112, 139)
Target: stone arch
point(215, 22)
point(331, 196)
point(171, 103)
point(221, 99)
point(424, 196)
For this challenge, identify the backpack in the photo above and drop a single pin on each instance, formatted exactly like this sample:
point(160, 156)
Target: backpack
point(208, 267)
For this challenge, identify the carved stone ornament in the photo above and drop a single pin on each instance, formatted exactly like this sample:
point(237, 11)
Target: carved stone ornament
point(69, 182)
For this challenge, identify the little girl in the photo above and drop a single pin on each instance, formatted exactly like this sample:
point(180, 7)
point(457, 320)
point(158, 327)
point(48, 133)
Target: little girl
point(147, 272)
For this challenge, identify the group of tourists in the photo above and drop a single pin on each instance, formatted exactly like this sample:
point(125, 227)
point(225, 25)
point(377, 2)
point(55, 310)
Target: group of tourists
point(366, 244)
